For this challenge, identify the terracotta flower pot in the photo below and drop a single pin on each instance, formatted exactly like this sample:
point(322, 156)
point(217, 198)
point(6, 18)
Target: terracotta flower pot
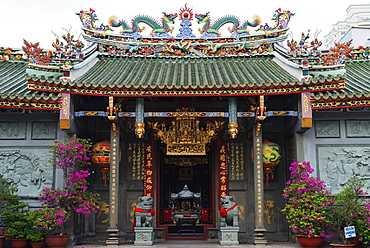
point(313, 242)
point(2, 241)
point(19, 243)
point(37, 245)
point(57, 241)
point(341, 246)
point(356, 242)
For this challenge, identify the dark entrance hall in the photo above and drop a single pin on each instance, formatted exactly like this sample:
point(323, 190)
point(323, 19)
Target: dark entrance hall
point(186, 196)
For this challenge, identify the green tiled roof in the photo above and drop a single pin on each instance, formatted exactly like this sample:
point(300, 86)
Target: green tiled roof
point(14, 89)
point(134, 76)
point(356, 92)
point(185, 73)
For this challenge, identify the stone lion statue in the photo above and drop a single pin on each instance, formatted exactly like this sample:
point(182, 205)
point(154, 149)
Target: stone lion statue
point(144, 212)
point(229, 212)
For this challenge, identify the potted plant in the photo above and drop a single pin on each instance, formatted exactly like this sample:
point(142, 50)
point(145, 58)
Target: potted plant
point(14, 217)
point(7, 190)
point(72, 156)
point(36, 237)
point(351, 209)
point(308, 205)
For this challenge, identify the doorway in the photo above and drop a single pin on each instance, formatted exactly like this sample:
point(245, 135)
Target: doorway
point(186, 196)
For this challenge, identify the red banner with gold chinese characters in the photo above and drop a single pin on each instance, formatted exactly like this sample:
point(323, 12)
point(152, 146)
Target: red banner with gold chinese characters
point(223, 171)
point(148, 170)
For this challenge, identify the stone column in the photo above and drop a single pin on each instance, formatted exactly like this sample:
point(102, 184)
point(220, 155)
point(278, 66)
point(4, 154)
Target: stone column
point(259, 236)
point(113, 186)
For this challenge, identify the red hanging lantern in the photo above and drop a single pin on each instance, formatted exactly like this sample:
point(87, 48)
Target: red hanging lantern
point(101, 157)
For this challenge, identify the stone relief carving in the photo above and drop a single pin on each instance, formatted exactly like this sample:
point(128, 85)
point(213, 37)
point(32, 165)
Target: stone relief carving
point(44, 130)
point(337, 163)
point(358, 128)
point(28, 167)
point(13, 130)
point(327, 129)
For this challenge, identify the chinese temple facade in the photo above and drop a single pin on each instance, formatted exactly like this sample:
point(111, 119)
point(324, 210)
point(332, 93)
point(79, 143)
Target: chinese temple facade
point(185, 118)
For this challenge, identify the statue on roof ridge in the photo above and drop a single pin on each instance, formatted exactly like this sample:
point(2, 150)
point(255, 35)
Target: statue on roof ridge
point(88, 19)
point(281, 18)
point(159, 29)
point(212, 30)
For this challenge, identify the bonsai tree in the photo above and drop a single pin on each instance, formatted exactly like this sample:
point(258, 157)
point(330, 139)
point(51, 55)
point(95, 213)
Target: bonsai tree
point(15, 218)
point(7, 191)
point(351, 209)
point(308, 203)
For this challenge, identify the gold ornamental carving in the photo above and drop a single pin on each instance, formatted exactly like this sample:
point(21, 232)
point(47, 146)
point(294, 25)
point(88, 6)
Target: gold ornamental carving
point(233, 129)
point(140, 129)
point(186, 135)
point(186, 162)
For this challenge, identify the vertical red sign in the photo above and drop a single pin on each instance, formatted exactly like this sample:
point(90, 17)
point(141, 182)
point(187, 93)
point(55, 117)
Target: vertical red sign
point(223, 171)
point(148, 170)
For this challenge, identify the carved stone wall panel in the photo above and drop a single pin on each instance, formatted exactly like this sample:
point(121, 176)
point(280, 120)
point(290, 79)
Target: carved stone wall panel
point(13, 130)
point(358, 128)
point(28, 167)
point(44, 130)
point(337, 163)
point(327, 129)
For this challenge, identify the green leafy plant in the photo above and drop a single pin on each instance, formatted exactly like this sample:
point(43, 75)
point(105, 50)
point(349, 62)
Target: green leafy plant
point(7, 192)
point(37, 234)
point(309, 204)
point(351, 209)
point(15, 219)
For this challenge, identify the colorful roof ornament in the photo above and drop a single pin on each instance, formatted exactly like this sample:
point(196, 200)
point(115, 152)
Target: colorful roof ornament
point(131, 32)
point(210, 30)
point(186, 16)
point(160, 29)
point(281, 18)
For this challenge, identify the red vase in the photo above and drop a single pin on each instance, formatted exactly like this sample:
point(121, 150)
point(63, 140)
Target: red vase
point(56, 241)
point(19, 243)
point(312, 241)
point(341, 246)
point(2, 241)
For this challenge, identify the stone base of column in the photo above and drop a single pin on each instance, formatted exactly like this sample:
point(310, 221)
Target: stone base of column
point(228, 235)
point(259, 237)
point(143, 236)
point(112, 237)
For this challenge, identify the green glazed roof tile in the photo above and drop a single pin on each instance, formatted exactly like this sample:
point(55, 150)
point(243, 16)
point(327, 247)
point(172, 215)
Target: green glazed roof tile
point(13, 84)
point(357, 81)
point(134, 73)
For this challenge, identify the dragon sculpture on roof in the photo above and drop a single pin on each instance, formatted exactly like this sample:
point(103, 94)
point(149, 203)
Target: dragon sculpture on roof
point(159, 29)
point(281, 19)
point(212, 30)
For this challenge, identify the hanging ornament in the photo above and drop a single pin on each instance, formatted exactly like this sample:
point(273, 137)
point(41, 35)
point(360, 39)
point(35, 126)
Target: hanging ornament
point(271, 158)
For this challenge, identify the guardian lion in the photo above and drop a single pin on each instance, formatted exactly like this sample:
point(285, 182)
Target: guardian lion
point(144, 212)
point(229, 212)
